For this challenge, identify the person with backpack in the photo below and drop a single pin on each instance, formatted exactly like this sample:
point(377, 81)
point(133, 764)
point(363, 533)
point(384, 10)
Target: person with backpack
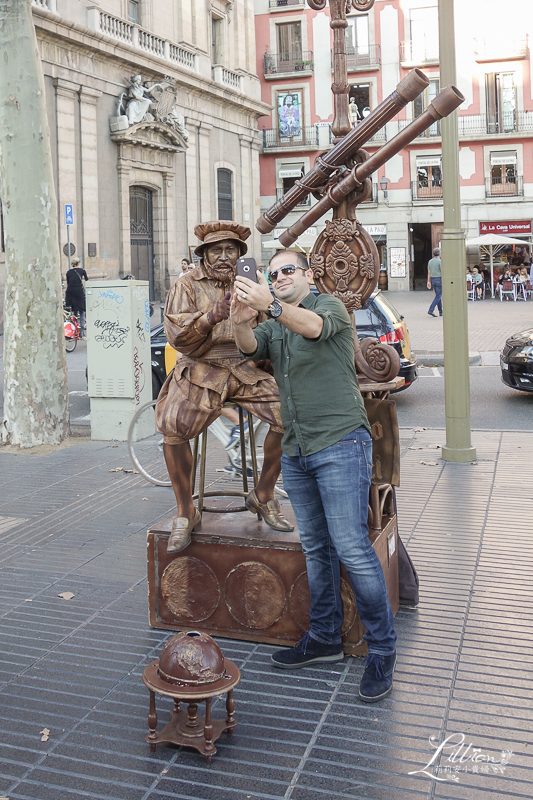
point(75, 294)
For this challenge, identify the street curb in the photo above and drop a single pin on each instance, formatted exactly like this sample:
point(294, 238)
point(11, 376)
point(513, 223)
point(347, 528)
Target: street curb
point(428, 358)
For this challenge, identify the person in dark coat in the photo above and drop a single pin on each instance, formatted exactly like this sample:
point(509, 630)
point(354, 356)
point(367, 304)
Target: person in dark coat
point(75, 294)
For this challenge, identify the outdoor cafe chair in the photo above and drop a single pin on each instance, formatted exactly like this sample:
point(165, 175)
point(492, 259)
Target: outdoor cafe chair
point(470, 290)
point(508, 288)
point(528, 289)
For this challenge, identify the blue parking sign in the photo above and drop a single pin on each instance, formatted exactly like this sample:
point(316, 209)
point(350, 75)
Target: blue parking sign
point(69, 214)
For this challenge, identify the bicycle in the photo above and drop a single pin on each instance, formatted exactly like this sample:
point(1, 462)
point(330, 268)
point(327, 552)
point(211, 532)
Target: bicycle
point(73, 334)
point(145, 447)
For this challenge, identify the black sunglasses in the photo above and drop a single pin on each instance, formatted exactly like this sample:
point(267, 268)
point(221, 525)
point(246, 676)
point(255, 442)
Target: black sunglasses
point(290, 269)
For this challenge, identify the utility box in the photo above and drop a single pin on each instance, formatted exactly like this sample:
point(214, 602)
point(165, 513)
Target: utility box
point(118, 355)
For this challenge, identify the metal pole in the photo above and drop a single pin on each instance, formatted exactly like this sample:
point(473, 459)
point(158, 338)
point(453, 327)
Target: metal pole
point(456, 374)
point(68, 244)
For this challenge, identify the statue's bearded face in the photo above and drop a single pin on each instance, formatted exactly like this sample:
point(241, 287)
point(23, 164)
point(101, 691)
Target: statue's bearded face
point(220, 259)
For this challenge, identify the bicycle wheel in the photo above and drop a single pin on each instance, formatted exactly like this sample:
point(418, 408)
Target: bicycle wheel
point(146, 446)
point(70, 343)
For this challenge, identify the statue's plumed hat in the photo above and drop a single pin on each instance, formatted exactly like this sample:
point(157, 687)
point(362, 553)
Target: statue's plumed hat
point(217, 231)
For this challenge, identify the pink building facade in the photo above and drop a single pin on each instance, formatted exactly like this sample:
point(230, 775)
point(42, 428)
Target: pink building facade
point(404, 213)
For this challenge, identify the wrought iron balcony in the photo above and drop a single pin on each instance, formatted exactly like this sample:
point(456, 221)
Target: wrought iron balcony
point(306, 137)
point(414, 53)
point(282, 63)
point(512, 122)
point(501, 48)
point(363, 57)
point(305, 203)
point(420, 192)
point(499, 187)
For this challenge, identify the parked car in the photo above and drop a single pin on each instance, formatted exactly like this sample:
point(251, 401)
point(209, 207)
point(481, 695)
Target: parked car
point(516, 361)
point(379, 320)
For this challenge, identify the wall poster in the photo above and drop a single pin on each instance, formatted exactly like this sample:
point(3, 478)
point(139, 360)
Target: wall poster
point(290, 113)
point(397, 262)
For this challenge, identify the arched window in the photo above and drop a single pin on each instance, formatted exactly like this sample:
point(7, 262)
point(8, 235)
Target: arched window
point(225, 194)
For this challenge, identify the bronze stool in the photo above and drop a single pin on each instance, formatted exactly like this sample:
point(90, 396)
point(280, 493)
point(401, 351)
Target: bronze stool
point(191, 668)
point(201, 494)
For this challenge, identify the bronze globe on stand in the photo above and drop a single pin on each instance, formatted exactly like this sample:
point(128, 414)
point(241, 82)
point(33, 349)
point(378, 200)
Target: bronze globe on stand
point(192, 669)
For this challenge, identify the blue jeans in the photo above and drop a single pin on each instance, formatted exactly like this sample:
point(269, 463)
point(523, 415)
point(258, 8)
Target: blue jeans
point(436, 284)
point(329, 494)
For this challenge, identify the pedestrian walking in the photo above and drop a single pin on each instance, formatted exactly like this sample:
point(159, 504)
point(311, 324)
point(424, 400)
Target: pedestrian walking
point(75, 293)
point(326, 461)
point(435, 282)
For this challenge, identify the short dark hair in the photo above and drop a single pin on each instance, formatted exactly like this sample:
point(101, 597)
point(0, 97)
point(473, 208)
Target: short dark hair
point(299, 258)
point(186, 259)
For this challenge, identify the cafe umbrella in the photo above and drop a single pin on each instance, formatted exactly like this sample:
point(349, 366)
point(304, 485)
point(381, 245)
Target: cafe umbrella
point(492, 244)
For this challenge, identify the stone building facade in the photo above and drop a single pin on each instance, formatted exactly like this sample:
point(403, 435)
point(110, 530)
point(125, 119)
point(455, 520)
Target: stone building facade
point(139, 182)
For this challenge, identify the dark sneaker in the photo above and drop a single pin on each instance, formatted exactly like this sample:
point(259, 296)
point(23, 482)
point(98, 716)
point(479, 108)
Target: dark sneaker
point(235, 435)
point(376, 682)
point(307, 651)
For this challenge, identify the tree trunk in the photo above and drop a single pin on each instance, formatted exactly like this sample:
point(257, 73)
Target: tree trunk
point(35, 371)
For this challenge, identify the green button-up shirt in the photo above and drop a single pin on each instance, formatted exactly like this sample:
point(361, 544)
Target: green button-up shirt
point(320, 397)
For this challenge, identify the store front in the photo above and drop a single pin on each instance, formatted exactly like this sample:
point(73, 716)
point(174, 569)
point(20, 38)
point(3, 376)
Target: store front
point(379, 236)
point(510, 255)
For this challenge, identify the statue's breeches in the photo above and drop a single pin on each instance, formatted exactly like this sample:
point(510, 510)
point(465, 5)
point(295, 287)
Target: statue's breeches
point(184, 409)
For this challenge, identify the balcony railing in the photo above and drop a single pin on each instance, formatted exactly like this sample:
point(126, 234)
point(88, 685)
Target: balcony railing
point(285, 3)
point(413, 53)
point(281, 63)
point(227, 77)
point(419, 192)
point(433, 130)
point(305, 203)
point(360, 58)
point(48, 5)
point(134, 35)
point(307, 137)
point(497, 187)
point(501, 48)
point(513, 122)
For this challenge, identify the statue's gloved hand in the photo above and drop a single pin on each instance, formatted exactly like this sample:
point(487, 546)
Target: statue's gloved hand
point(220, 310)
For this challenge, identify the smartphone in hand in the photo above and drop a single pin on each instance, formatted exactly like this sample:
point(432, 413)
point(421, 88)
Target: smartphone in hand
point(247, 268)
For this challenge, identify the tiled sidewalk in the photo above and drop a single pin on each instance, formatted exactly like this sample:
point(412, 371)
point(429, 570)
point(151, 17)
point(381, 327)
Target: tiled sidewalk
point(68, 524)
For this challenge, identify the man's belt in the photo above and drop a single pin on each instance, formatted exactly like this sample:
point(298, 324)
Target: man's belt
point(219, 351)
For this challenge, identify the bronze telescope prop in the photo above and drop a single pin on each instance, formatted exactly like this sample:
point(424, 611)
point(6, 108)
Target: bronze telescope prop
point(443, 104)
point(409, 87)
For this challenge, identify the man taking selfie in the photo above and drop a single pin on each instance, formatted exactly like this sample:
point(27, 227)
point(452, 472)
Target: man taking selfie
point(326, 461)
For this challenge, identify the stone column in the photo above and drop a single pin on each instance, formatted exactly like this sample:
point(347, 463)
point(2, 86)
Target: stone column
point(124, 216)
point(66, 110)
point(255, 204)
point(89, 179)
point(190, 201)
point(245, 212)
point(170, 268)
point(208, 209)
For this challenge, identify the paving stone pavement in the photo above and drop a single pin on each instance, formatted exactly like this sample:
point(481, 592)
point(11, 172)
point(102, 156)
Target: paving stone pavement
point(490, 322)
point(68, 524)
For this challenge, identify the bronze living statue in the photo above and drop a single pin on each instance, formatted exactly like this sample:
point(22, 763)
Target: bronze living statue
point(210, 371)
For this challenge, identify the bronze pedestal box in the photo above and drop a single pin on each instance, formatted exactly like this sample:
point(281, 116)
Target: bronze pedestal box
point(241, 580)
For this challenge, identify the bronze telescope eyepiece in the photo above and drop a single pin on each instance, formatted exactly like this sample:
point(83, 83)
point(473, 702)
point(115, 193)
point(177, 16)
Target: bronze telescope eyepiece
point(444, 103)
point(406, 91)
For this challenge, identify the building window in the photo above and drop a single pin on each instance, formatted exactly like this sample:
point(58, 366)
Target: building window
point(360, 94)
point(217, 40)
point(357, 35)
point(289, 41)
point(503, 173)
point(421, 102)
point(428, 177)
point(424, 30)
point(225, 194)
point(501, 102)
point(133, 11)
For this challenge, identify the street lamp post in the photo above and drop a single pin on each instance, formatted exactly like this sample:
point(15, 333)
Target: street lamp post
point(455, 321)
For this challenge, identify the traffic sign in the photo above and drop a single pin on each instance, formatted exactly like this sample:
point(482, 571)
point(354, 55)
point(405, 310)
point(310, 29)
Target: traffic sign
point(69, 214)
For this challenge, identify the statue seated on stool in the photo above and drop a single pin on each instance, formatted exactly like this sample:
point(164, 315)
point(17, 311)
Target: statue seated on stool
point(209, 371)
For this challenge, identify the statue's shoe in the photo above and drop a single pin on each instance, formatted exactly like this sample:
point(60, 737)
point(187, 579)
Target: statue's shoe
point(180, 535)
point(270, 513)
